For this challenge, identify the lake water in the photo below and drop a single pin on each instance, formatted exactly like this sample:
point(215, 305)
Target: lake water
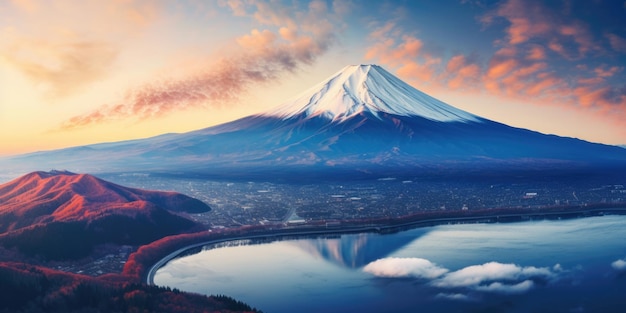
point(576, 265)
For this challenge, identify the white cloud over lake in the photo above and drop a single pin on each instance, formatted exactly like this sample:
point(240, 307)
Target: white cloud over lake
point(492, 277)
point(619, 265)
point(454, 296)
point(405, 267)
point(499, 287)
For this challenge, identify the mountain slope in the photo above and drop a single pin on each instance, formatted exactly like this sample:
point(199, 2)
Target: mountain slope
point(60, 215)
point(361, 122)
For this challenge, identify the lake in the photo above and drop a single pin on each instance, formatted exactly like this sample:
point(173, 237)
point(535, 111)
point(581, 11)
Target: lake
point(574, 265)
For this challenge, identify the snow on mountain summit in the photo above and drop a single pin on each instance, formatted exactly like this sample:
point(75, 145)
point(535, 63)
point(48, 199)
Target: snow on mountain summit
point(371, 89)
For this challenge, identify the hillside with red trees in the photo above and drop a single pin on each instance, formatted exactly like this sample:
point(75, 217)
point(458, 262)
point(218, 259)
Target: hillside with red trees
point(63, 216)
point(47, 216)
point(26, 288)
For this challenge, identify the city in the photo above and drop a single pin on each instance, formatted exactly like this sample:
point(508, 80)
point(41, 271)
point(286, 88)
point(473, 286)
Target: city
point(258, 203)
point(235, 204)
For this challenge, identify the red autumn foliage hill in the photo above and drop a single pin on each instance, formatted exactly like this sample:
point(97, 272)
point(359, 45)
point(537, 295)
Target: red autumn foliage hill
point(61, 215)
point(26, 288)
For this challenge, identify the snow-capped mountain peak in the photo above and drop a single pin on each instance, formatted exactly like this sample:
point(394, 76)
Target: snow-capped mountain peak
point(368, 88)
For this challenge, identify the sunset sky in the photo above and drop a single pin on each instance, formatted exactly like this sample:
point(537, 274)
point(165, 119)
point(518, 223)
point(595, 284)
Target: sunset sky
point(81, 72)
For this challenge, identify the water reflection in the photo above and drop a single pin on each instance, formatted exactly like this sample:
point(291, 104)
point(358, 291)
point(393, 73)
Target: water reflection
point(576, 265)
point(355, 250)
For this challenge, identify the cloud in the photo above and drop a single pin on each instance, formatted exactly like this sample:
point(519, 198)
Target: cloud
point(619, 265)
point(526, 20)
point(60, 68)
point(238, 7)
point(462, 73)
point(405, 267)
point(606, 98)
point(617, 43)
point(293, 36)
point(501, 288)
point(454, 296)
point(62, 46)
point(537, 60)
point(491, 277)
point(538, 28)
point(500, 68)
point(602, 71)
point(494, 277)
point(404, 52)
point(536, 52)
point(534, 21)
point(477, 275)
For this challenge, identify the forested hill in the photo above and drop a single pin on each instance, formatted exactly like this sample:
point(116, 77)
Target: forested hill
point(63, 216)
point(29, 289)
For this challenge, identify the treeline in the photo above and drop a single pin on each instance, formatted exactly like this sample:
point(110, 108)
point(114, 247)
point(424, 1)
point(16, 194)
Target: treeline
point(76, 239)
point(30, 289)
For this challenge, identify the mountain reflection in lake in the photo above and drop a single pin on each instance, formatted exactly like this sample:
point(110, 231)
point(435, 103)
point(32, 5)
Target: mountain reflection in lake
point(574, 265)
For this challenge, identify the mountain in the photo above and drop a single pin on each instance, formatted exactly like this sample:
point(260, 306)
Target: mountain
point(360, 122)
point(367, 90)
point(62, 215)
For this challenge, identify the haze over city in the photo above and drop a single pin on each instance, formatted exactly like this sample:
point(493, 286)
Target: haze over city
point(76, 73)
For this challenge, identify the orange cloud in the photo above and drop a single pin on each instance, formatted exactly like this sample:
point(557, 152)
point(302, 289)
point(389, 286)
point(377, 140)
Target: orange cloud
point(535, 22)
point(522, 29)
point(520, 80)
point(543, 83)
point(519, 69)
point(602, 71)
point(557, 47)
point(257, 39)
point(568, 30)
point(60, 68)
point(581, 34)
point(608, 99)
point(422, 73)
point(498, 69)
point(536, 52)
point(534, 61)
point(461, 73)
point(238, 7)
point(405, 53)
point(617, 43)
point(455, 63)
point(590, 81)
point(62, 47)
point(409, 48)
point(260, 57)
point(288, 34)
point(527, 20)
point(382, 33)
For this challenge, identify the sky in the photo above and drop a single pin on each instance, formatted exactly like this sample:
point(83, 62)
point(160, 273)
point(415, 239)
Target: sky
point(82, 72)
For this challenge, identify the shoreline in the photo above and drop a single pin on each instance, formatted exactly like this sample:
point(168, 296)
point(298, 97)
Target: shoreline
point(308, 230)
